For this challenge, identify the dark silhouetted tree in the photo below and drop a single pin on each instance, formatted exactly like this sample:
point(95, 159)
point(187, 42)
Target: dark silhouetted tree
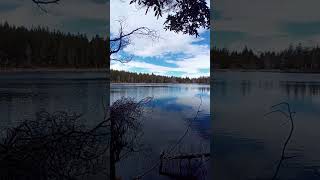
point(186, 16)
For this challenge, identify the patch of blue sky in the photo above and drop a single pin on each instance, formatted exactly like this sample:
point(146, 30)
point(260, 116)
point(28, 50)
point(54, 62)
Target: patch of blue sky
point(204, 38)
point(139, 70)
point(206, 70)
point(175, 73)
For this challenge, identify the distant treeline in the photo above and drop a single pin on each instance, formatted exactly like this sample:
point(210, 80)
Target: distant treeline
point(298, 58)
point(130, 77)
point(38, 47)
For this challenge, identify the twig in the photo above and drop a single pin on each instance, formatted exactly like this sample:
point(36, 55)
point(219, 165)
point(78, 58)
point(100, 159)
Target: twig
point(173, 147)
point(289, 116)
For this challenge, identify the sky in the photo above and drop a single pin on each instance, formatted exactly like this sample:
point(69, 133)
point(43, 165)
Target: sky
point(265, 24)
point(173, 54)
point(84, 16)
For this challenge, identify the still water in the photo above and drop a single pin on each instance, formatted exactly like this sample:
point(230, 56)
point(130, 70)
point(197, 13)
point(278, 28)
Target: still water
point(165, 120)
point(22, 95)
point(246, 144)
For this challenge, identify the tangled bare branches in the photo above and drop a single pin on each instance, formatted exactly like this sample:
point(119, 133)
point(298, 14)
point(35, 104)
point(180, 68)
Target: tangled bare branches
point(126, 128)
point(54, 146)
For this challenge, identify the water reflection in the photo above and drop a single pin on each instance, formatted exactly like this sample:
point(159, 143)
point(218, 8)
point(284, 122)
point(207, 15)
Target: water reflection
point(166, 119)
point(247, 143)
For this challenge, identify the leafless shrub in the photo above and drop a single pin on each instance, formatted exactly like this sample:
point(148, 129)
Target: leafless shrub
point(54, 146)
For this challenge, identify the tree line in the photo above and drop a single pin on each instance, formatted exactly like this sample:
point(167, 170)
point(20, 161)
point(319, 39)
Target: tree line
point(131, 77)
point(41, 48)
point(292, 58)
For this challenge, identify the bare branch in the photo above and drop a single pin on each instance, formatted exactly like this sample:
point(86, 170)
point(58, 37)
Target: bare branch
point(123, 39)
point(289, 115)
point(46, 2)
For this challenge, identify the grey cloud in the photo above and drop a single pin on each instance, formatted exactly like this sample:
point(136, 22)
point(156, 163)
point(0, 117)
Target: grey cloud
point(271, 24)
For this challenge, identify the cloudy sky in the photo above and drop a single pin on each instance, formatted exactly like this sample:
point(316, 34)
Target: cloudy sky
point(265, 24)
point(171, 55)
point(83, 16)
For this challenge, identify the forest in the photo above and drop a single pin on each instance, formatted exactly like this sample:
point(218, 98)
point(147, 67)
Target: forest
point(292, 58)
point(42, 48)
point(131, 77)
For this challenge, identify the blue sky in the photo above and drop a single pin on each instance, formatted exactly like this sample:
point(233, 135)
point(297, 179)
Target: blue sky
point(84, 16)
point(265, 25)
point(173, 54)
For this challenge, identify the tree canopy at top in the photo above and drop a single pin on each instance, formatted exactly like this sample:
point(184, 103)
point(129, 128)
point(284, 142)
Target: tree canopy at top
point(185, 16)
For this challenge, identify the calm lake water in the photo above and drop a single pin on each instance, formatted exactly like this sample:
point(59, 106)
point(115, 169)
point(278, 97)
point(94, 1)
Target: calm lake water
point(24, 94)
point(247, 144)
point(165, 120)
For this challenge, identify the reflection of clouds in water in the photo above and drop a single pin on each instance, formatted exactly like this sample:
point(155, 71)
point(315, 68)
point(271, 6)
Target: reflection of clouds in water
point(166, 120)
point(185, 94)
point(183, 99)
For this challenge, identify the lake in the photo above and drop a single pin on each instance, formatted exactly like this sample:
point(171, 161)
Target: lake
point(25, 93)
point(165, 120)
point(246, 143)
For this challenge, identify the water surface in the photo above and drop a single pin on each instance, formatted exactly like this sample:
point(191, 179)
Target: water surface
point(247, 144)
point(165, 121)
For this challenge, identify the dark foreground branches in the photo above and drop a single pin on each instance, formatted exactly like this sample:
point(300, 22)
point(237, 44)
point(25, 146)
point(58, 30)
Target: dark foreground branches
point(126, 128)
point(63, 146)
point(288, 113)
point(54, 146)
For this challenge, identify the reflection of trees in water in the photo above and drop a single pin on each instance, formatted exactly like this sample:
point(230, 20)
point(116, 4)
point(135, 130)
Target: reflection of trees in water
point(295, 89)
point(22, 101)
point(300, 89)
point(245, 87)
point(204, 89)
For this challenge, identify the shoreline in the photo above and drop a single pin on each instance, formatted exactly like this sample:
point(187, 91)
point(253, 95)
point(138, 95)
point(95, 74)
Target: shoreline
point(268, 70)
point(158, 83)
point(40, 70)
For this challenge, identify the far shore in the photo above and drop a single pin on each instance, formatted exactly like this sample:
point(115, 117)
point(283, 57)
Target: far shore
point(66, 70)
point(268, 70)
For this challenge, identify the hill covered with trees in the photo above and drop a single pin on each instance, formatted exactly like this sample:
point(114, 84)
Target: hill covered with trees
point(293, 58)
point(130, 77)
point(41, 48)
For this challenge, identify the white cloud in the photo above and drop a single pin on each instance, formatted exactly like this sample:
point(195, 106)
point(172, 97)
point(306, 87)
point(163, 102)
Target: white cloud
point(191, 67)
point(193, 57)
point(169, 41)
